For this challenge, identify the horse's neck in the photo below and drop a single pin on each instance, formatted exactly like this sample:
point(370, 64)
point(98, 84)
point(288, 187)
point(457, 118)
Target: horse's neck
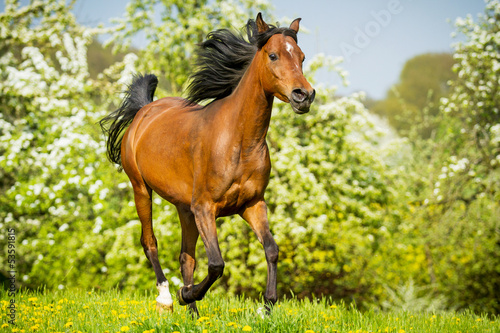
point(252, 108)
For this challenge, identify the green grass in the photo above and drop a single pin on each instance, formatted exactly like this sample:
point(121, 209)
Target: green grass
point(113, 311)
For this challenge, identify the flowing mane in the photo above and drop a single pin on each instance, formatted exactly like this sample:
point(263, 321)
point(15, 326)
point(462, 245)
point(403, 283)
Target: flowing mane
point(224, 57)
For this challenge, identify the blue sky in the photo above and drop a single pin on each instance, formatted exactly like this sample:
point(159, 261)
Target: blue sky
point(411, 28)
point(376, 36)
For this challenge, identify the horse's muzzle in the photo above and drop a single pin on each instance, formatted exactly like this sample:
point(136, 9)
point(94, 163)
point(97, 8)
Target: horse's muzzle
point(301, 100)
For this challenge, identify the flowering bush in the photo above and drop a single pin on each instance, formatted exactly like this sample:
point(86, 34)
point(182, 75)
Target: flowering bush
point(57, 193)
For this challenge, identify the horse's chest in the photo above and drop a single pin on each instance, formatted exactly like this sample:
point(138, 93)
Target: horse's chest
point(246, 186)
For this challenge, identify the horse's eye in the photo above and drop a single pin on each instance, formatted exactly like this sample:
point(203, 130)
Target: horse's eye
point(273, 57)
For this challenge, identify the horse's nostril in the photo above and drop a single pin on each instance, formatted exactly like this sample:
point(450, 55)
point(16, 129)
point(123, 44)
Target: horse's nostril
point(313, 95)
point(299, 95)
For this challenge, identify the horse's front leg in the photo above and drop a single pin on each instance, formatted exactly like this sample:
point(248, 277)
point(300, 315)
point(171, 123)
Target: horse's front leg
point(255, 213)
point(204, 215)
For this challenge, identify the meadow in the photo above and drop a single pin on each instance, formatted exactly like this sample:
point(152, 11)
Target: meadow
point(114, 311)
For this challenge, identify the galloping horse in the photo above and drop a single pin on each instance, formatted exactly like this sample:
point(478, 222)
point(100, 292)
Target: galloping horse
point(210, 161)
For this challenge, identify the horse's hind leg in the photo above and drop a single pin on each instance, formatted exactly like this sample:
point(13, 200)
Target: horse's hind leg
point(187, 257)
point(143, 204)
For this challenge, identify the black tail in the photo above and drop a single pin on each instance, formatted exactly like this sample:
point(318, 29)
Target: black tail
point(138, 94)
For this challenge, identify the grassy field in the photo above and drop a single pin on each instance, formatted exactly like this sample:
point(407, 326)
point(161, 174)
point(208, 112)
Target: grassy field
point(112, 311)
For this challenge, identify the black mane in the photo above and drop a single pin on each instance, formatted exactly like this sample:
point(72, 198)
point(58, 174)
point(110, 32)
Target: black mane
point(223, 58)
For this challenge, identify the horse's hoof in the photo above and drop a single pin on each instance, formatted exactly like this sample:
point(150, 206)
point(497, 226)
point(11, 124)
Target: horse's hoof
point(164, 308)
point(179, 297)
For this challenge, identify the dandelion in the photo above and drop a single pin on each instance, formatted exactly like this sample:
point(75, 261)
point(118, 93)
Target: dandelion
point(124, 329)
point(202, 319)
point(68, 324)
point(309, 331)
point(231, 324)
point(246, 328)
point(5, 325)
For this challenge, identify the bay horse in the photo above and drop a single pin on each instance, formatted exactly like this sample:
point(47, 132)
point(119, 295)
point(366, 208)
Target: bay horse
point(210, 161)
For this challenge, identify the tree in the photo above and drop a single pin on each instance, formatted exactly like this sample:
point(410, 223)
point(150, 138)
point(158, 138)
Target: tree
point(456, 177)
point(414, 99)
point(172, 30)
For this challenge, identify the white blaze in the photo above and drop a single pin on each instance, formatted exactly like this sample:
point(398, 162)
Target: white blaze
point(289, 48)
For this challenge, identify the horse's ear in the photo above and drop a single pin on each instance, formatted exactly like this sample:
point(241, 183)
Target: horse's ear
point(295, 25)
point(261, 25)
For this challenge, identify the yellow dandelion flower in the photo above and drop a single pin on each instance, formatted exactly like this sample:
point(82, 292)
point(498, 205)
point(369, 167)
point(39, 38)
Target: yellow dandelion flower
point(204, 331)
point(124, 329)
point(34, 328)
point(309, 331)
point(478, 319)
point(231, 324)
point(123, 316)
point(68, 324)
point(5, 325)
point(172, 332)
point(246, 328)
point(203, 319)
point(32, 299)
point(333, 306)
point(401, 331)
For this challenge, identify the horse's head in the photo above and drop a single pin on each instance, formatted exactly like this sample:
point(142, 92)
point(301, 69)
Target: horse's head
point(281, 60)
